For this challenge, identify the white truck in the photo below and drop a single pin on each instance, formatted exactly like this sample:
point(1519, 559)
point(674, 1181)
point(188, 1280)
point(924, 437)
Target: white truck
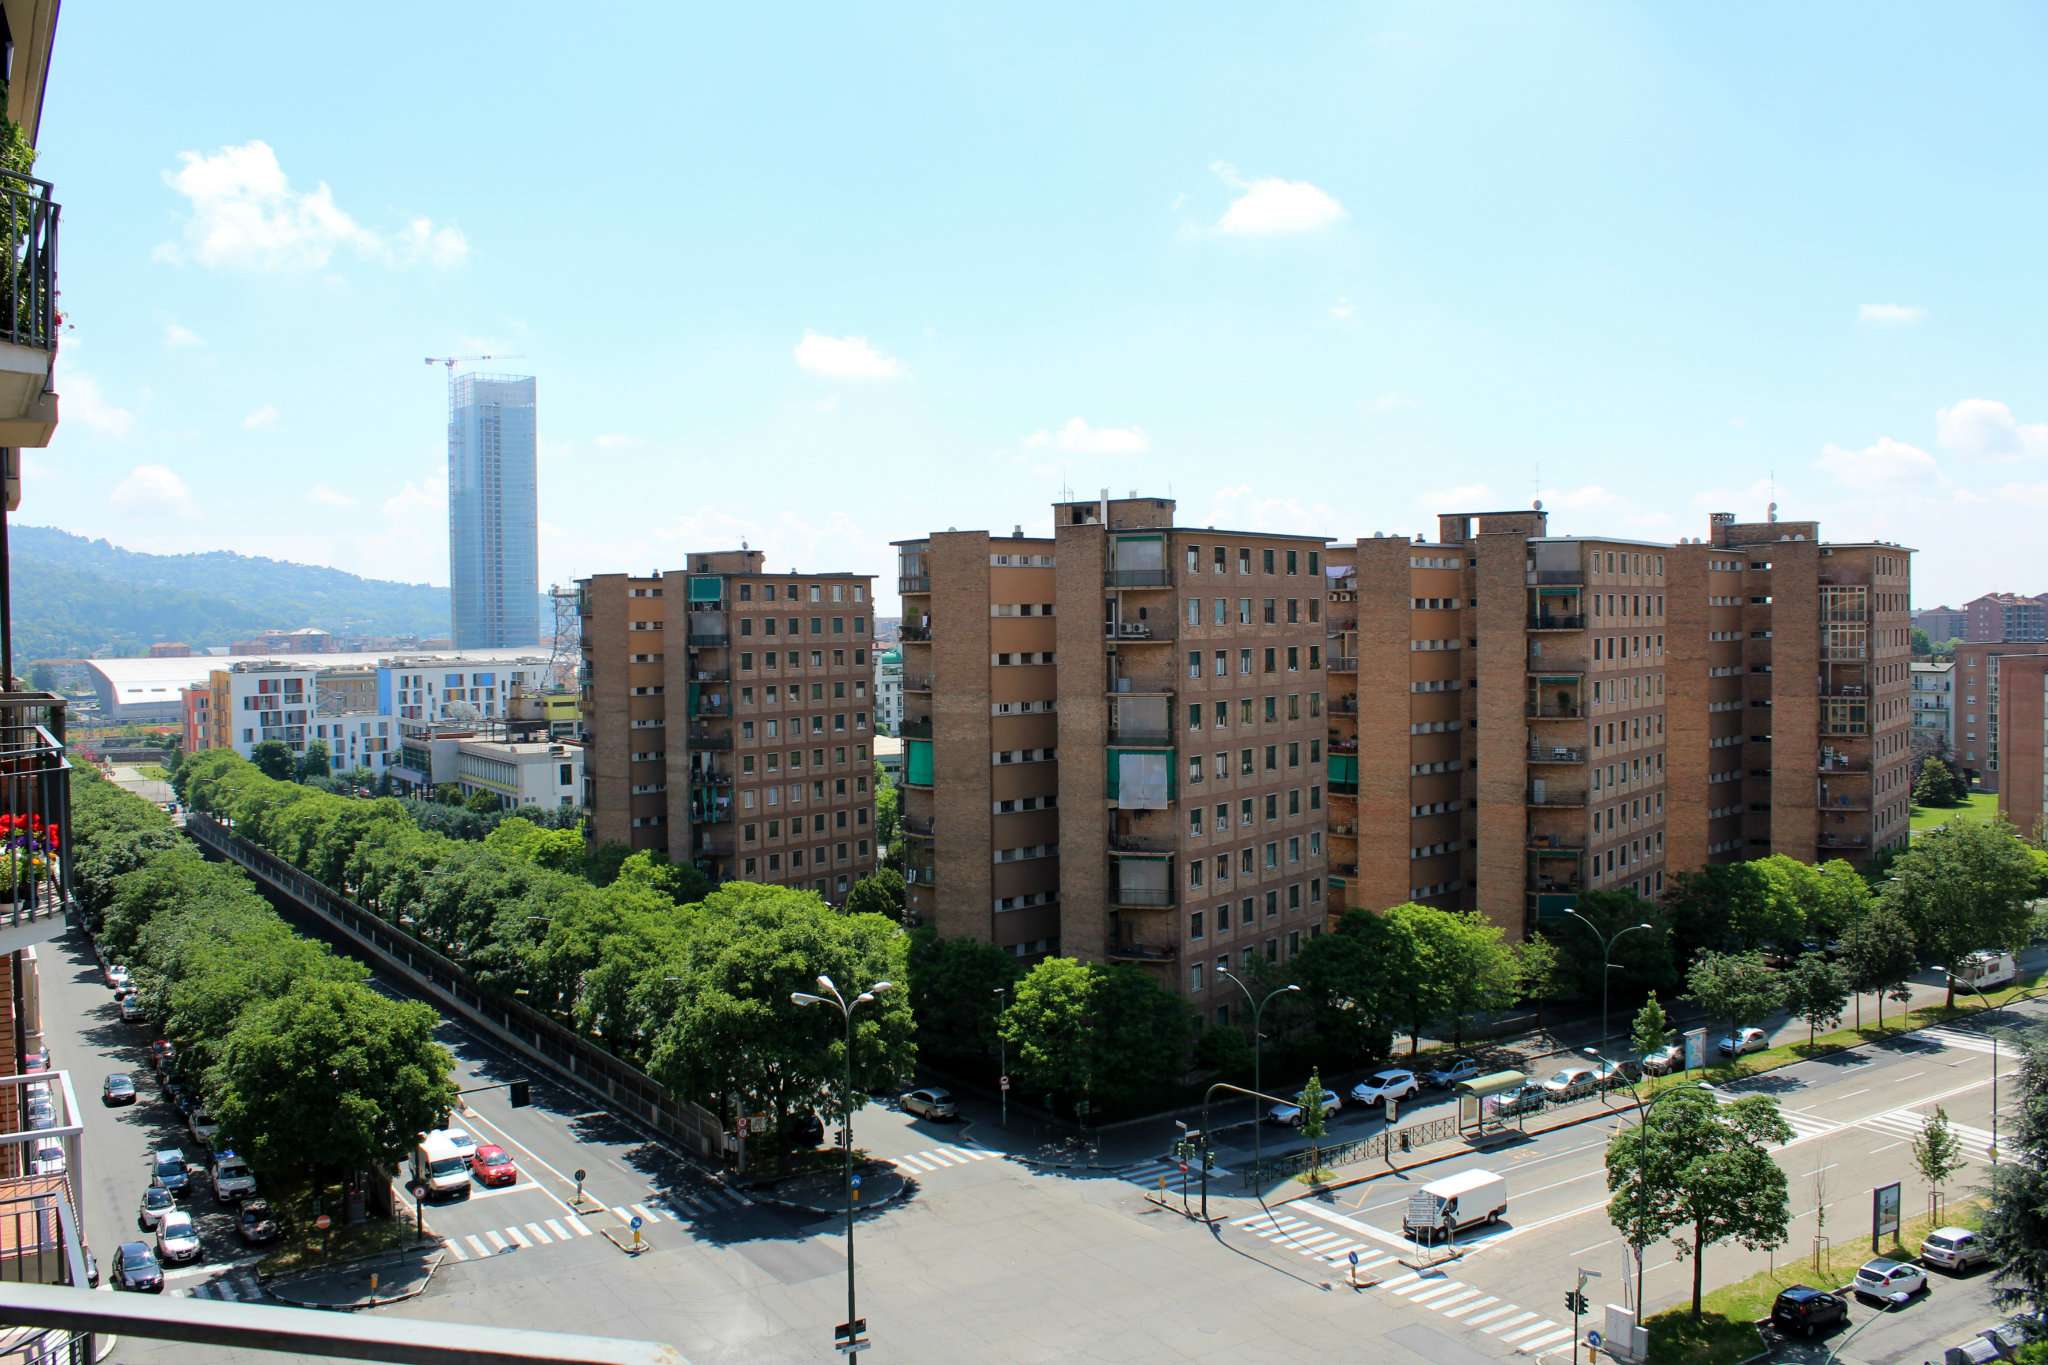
point(438, 1166)
point(1443, 1207)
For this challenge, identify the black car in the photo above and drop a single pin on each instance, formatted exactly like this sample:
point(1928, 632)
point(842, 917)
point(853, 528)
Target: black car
point(1803, 1311)
point(255, 1223)
point(118, 1089)
point(804, 1130)
point(135, 1268)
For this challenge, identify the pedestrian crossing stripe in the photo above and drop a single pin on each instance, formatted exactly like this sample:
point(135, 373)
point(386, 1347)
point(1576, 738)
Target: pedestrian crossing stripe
point(1910, 1123)
point(230, 1288)
point(939, 1158)
point(541, 1232)
point(1960, 1038)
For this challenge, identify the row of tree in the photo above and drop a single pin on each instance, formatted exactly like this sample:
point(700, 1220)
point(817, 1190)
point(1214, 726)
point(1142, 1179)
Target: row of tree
point(311, 1074)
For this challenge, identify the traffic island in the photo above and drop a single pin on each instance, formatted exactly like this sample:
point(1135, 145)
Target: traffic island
point(369, 1283)
point(824, 1192)
point(629, 1239)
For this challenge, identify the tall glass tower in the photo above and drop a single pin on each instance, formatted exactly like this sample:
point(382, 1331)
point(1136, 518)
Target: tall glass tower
point(493, 535)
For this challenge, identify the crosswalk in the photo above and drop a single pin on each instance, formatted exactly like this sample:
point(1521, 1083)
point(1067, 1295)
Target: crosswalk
point(940, 1157)
point(1528, 1332)
point(1960, 1039)
point(1147, 1174)
point(237, 1288)
point(540, 1232)
point(1901, 1124)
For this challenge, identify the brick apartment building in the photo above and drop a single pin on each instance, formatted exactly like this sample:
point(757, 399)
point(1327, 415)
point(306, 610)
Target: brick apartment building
point(1977, 686)
point(1942, 624)
point(1789, 701)
point(728, 719)
point(2005, 618)
point(2023, 742)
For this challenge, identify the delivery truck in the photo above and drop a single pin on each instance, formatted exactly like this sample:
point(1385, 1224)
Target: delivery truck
point(1444, 1207)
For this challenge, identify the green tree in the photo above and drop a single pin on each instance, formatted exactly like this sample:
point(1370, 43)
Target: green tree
point(448, 793)
point(881, 892)
point(1964, 887)
point(273, 757)
point(1539, 972)
point(314, 762)
point(1651, 1030)
point(1701, 1173)
point(1935, 784)
point(1878, 950)
point(1738, 987)
point(680, 882)
point(331, 1078)
point(1314, 1125)
point(484, 801)
point(1937, 1154)
point(1353, 980)
point(2016, 1219)
point(1923, 647)
point(1462, 967)
point(1643, 959)
point(888, 806)
point(1817, 991)
point(953, 995)
point(1083, 1031)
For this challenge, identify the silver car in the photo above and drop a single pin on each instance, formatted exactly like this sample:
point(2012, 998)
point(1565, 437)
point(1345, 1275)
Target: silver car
point(930, 1103)
point(1954, 1249)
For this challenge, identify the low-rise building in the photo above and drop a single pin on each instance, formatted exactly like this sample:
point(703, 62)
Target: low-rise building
point(889, 756)
point(1934, 712)
point(1942, 624)
point(546, 773)
point(1978, 668)
point(1999, 618)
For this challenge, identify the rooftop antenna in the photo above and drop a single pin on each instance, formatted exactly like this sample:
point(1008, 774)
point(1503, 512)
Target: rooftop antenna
point(1066, 491)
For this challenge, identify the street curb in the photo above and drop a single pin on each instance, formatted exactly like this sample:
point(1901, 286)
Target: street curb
point(370, 1301)
point(902, 1192)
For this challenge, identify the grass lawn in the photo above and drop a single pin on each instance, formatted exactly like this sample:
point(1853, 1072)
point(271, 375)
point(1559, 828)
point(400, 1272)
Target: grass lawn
point(304, 1247)
point(1980, 806)
point(1724, 1331)
point(154, 772)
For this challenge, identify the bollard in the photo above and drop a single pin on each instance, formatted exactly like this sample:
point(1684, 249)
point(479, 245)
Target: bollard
point(373, 1284)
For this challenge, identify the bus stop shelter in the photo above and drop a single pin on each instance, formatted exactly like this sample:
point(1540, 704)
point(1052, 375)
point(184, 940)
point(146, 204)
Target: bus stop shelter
point(1477, 1111)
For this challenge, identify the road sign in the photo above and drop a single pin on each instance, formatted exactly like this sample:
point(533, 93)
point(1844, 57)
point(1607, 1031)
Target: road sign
point(847, 1348)
point(1884, 1212)
point(856, 1182)
point(1593, 1337)
point(321, 1222)
point(1393, 1109)
point(1695, 1049)
point(847, 1331)
point(1354, 1258)
point(635, 1224)
point(580, 1173)
point(1006, 1082)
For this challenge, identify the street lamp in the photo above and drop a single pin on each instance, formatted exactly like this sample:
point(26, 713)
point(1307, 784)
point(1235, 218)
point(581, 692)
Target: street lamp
point(832, 997)
point(1642, 1121)
point(1985, 1001)
point(1002, 994)
point(1258, 1052)
point(1606, 951)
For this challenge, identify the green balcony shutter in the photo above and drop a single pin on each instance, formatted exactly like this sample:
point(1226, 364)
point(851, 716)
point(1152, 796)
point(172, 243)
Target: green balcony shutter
point(917, 762)
point(707, 589)
point(1344, 768)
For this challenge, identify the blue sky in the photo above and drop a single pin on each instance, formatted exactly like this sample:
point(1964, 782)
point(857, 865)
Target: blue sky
point(823, 279)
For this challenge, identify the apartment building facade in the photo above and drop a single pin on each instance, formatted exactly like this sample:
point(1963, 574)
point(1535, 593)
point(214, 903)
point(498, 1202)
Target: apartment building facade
point(728, 719)
point(493, 512)
point(1999, 618)
point(2023, 743)
point(1978, 684)
point(889, 690)
point(1942, 624)
point(1934, 710)
point(979, 795)
point(1790, 691)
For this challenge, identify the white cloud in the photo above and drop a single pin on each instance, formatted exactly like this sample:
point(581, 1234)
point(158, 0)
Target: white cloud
point(1891, 314)
point(1076, 437)
point(615, 440)
point(1342, 310)
point(1887, 461)
point(182, 337)
point(1967, 497)
point(154, 488)
point(1986, 428)
point(1738, 422)
point(329, 497)
point(2029, 494)
point(81, 401)
point(262, 419)
point(1392, 402)
point(1272, 207)
point(245, 215)
point(1240, 508)
point(844, 357)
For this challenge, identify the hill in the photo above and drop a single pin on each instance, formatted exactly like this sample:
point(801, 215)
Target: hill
point(75, 597)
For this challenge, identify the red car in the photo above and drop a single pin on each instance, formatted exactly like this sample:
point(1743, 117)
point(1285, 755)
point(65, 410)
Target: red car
point(493, 1166)
point(160, 1054)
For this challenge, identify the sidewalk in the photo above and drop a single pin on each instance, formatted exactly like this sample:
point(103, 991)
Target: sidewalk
point(389, 1278)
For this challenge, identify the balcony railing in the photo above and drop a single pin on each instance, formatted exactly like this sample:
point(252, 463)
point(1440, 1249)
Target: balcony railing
point(920, 829)
point(1843, 841)
point(920, 582)
point(920, 876)
point(704, 778)
point(710, 675)
point(35, 802)
point(1138, 578)
point(707, 739)
point(1138, 632)
point(1343, 746)
point(1143, 897)
point(711, 812)
point(708, 637)
point(915, 729)
point(1556, 753)
point(707, 705)
point(1844, 765)
point(1548, 796)
point(1552, 711)
point(1344, 706)
point(719, 844)
point(916, 635)
point(1344, 829)
point(1547, 621)
point(916, 683)
point(1556, 846)
point(1558, 576)
point(1143, 952)
point(1139, 845)
point(1142, 736)
point(1340, 663)
point(28, 294)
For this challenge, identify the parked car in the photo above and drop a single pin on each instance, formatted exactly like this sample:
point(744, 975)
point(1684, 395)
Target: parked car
point(1385, 1085)
point(41, 1113)
point(203, 1126)
point(161, 1054)
point(131, 1010)
point(1803, 1310)
point(117, 1088)
point(1455, 1070)
point(135, 1269)
point(1661, 1061)
point(804, 1130)
point(156, 1202)
point(255, 1223)
point(117, 975)
point(180, 1097)
point(1744, 1040)
point(1571, 1082)
point(168, 1168)
point(493, 1165)
point(930, 1103)
point(38, 1060)
point(232, 1178)
point(1295, 1114)
point(1609, 1074)
point(463, 1143)
point(1889, 1281)
point(1526, 1098)
point(47, 1158)
point(1953, 1249)
point(177, 1239)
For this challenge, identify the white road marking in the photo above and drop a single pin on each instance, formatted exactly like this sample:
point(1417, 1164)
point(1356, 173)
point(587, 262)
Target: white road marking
point(1491, 1314)
point(516, 1235)
point(1441, 1291)
point(1419, 1284)
point(1506, 1323)
point(1595, 1247)
point(538, 1233)
point(455, 1249)
point(582, 1228)
point(645, 1216)
point(1462, 1309)
point(1545, 1325)
point(1464, 1293)
point(560, 1232)
point(481, 1249)
point(1545, 1342)
point(496, 1241)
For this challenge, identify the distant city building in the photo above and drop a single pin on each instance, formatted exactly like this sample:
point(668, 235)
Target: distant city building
point(1999, 618)
point(2023, 742)
point(170, 649)
point(1942, 624)
point(305, 640)
point(545, 773)
point(889, 756)
point(148, 690)
point(889, 690)
point(1978, 666)
point(1934, 711)
point(493, 513)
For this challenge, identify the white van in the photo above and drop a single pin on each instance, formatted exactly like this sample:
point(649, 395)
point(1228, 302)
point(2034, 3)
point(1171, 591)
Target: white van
point(1985, 969)
point(437, 1165)
point(1455, 1202)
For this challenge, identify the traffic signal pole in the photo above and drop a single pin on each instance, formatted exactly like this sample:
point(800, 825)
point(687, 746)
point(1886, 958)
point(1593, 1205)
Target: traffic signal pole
point(1208, 1096)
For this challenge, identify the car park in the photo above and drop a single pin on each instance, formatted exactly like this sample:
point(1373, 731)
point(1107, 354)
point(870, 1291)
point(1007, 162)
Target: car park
point(1295, 1114)
point(1889, 1281)
point(169, 1169)
point(1953, 1249)
point(232, 1178)
point(1385, 1085)
point(177, 1239)
point(117, 1088)
point(255, 1224)
point(1660, 1061)
point(1455, 1070)
point(930, 1103)
point(156, 1202)
point(1571, 1081)
point(493, 1166)
point(1804, 1311)
point(135, 1269)
point(1743, 1040)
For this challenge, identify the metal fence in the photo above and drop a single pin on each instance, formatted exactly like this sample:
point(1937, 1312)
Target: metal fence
point(40, 1243)
point(520, 1027)
point(1380, 1146)
point(35, 808)
point(28, 294)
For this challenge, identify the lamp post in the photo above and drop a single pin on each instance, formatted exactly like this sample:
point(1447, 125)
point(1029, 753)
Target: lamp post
point(851, 1330)
point(1643, 1121)
point(1002, 994)
point(1607, 943)
point(1985, 1001)
point(1258, 1053)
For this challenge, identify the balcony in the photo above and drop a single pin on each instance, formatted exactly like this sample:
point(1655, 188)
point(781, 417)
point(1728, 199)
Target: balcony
point(707, 635)
point(1557, 845)
point(35, 801)
point(1142, 952)
point(711, 704)
point(716, 843)
point(1344, 706)
point(1542, 794)
point(1546, 621)
point(1851, 841)
point(1559, 576)
point(1148, 897)
point(926, 828)
point(1139, 632)
point(1139, 846)
point(1338, 663)
point(920, 876)
point(1346, 870)
point(706, 739)
point(1554, 711)
point(1835, 763)
point(1344, 829)
point(710, 675)
point(1343, 746)
point(710, 779)
point(915, 635)
point(1138, 578)
point(711, 809)
point(917, 682)
point(28, 312)
point(1556, 753)
point(917, 582)
point(1141, 737)
point(915, 729)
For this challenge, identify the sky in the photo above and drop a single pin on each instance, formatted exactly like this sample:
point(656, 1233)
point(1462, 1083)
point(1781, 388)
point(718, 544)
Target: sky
point(823, 278)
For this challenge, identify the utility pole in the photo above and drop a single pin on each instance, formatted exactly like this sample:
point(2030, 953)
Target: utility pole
point(1576, 1301)
point(1002, 994)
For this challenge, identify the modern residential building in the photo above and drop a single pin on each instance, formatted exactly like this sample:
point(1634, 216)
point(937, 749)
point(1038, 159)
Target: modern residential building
point(729, 719)
point(493, 515)
point(889, 690)
point(2023, 742)
point(1978, 666)
point(1934, 711)
point(1942, 624)
point(305, 640)
point(1789, 695)
point(980, 792)
point(151, 690)
point(541, 772)
point(2005, 618)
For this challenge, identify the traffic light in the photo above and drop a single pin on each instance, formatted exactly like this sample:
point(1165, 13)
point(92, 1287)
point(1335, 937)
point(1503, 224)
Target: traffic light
point(522, 1093)
point(1574, 1302)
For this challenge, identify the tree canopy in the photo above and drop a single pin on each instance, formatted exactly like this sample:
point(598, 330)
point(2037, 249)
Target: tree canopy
point(1963, 887)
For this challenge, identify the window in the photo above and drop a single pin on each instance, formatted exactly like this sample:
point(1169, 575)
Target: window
point(1194, 559)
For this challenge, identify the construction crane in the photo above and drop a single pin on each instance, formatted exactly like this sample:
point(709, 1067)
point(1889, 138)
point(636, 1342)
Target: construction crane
point(449, 362)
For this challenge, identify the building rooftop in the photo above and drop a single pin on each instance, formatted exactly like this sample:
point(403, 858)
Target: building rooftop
point(139, 681)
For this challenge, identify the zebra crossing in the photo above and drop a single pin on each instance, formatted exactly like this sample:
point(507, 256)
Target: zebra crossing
point(1468, 1306)
point(1961, 1039)
point(238, 1288)
point(540, 1232)
point(1907, 1124)
point(1147, 1174)
point(940, 1157)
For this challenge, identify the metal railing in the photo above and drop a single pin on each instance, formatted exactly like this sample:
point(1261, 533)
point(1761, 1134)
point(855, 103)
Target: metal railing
point(1341, 663)
point(915, 682)
point(1556, 753)
point(917, 635)
point(1413, 1137)
point(1149, 736)
point(35, 808)
point(1558, 576)
point(1547, 797)
point(920, 829)
point(28, 295)
point(706, 739)
point(704, 637)
point(1143, 897)
point(40, 1243)
point(1138, 843)
point(1138, 578)
point(915, 729)
point(1138, 632)
point(1143, 952)
point(914, 583)
point(712, 706)
point(1551, 622)
point(1534, 711)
